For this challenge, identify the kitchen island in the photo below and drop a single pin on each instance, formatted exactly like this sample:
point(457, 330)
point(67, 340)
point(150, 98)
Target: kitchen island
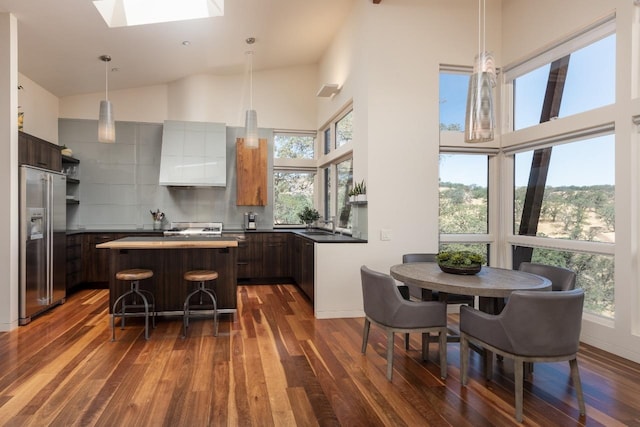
point(169, 258)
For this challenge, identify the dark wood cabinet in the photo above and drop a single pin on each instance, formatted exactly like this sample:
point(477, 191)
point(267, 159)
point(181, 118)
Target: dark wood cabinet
point(74, 261)
point(168, 266)
point(275, 250)
point(95, 262)
point(302, 264)
point(37, 152)
point(249, 253)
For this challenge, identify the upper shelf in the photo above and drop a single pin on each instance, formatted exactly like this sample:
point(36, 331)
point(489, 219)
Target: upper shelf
point(67, 159)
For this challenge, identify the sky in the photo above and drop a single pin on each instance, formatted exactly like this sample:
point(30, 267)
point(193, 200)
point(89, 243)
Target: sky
point(590, 83)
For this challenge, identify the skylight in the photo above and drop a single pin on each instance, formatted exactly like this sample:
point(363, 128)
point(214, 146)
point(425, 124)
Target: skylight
point(126, 13)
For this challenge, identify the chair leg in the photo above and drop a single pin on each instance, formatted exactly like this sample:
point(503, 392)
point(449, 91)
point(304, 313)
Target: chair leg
point(575, 376)
point(518, 366)
point(406, 341)
point(426, 338)
point(390, 335)
point(443, 353)
point(365, 335)
point(464, 358)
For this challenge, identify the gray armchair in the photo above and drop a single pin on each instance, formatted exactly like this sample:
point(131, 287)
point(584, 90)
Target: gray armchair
point(384, 307)
point(533, 327)
point(562, 279)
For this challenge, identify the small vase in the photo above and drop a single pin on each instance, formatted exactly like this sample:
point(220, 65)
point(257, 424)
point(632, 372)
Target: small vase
point(157, 225)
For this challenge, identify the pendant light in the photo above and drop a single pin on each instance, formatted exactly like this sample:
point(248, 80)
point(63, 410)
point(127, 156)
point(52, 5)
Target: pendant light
point(106, 124)
point(251, 117)
point(479, 119)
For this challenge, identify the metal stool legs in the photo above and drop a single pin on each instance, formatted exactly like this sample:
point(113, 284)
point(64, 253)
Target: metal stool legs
point(202, 291)
point(149, 308)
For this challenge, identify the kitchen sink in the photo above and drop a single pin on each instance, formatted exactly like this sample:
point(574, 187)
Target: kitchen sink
point(317, 233)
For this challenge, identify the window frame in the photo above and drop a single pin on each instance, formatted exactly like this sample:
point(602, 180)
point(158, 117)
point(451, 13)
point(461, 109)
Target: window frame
point(296, 166)
point(329, 161)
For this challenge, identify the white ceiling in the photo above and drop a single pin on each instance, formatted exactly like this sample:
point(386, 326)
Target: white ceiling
point(59, 42)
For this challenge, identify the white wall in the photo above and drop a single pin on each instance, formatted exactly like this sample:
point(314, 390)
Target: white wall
point(9, 223)
point(389, 57)
point(40, 108)
point(284, 99)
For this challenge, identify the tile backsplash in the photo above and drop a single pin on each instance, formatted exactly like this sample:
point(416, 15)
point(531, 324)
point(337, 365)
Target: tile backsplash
point(119, 182)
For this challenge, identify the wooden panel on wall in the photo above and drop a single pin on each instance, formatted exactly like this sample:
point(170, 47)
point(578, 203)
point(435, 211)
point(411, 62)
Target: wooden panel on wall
point(251, 167)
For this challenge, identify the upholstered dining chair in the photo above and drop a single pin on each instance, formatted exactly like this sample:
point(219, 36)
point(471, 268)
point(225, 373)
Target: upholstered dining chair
point(407, 291)
point(562, 279)
point(533, 327)
point(384, 307)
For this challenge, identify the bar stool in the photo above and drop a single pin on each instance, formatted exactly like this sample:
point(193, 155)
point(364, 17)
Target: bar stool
point(147, 302)
point(200, 276)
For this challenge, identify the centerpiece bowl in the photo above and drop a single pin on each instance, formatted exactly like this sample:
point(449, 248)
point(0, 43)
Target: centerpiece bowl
point(460, 262)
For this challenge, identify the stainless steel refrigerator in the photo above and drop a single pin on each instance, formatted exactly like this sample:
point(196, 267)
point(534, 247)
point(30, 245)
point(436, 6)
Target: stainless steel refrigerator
point(43, 223)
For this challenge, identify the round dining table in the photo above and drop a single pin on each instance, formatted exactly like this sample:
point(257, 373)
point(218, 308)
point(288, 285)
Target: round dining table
point(492, 285)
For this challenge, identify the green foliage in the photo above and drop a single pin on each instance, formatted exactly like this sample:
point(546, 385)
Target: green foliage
point(459, 258)
point(308, 215)
point(292, 192)
point(293, 146)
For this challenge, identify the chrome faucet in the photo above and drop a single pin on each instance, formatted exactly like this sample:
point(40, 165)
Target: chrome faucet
point(331, 221)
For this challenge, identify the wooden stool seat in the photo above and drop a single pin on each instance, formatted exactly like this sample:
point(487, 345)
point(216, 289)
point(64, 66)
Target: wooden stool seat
point(140, 300)
point(200, 275)
point(134, 274)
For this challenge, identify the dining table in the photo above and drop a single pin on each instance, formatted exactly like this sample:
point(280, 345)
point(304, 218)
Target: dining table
point(492, 285)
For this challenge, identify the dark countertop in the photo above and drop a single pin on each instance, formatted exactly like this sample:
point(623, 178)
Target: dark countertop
point(316, 235)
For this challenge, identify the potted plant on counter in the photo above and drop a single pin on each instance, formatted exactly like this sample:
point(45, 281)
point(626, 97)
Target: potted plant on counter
point(460, 262)
point(308, 215)
point(359, 192)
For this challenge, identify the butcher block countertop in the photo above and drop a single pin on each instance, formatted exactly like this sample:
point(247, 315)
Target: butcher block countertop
point(170, 243)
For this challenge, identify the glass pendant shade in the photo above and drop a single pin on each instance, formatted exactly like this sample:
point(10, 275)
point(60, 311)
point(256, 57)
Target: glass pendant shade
point(479, 119)
point(106, 124)
point(251, 130)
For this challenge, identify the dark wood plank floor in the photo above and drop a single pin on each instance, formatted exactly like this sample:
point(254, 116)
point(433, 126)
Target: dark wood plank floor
point(274, 364)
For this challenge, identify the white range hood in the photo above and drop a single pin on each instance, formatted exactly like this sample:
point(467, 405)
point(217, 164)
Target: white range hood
point(194, 154)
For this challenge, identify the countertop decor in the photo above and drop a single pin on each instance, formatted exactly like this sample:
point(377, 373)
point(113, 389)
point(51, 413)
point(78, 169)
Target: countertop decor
point(460, 262)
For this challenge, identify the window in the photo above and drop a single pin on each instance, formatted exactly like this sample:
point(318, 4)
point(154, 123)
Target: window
point(337, 169)
point(464, 193)
point(344, 183)
point(564, 185)
point(453, 100)
point(567, 193)
point(292, 191)
point(464, 177)
point(580, 81)
point(294, 175)
point(293, 146)
point(344, 129)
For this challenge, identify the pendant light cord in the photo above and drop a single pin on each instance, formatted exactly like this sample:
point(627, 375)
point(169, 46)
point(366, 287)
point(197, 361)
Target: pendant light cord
point(250, 53)
point(106, 81)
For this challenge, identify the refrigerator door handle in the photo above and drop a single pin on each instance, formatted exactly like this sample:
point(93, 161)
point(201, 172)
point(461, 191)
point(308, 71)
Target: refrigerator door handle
point(49, 239)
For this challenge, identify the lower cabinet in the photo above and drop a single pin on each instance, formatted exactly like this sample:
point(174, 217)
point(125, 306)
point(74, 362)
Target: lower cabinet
point(302, 264)
point(263, 255)
point(95, 262)
point(74, 261)
point(275, 251)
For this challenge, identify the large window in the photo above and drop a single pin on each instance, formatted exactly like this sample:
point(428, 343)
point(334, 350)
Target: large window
point(579, 81)
point(564, 185)
point(337, 169)
point(293, 175)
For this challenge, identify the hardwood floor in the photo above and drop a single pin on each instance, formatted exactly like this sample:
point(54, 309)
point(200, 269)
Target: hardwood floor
point(274, 364)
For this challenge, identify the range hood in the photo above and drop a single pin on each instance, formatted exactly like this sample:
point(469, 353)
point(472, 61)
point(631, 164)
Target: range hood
point(194, 154)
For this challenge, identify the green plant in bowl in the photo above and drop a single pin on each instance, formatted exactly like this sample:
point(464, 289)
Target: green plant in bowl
point(308, 215)
point(460, 262)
